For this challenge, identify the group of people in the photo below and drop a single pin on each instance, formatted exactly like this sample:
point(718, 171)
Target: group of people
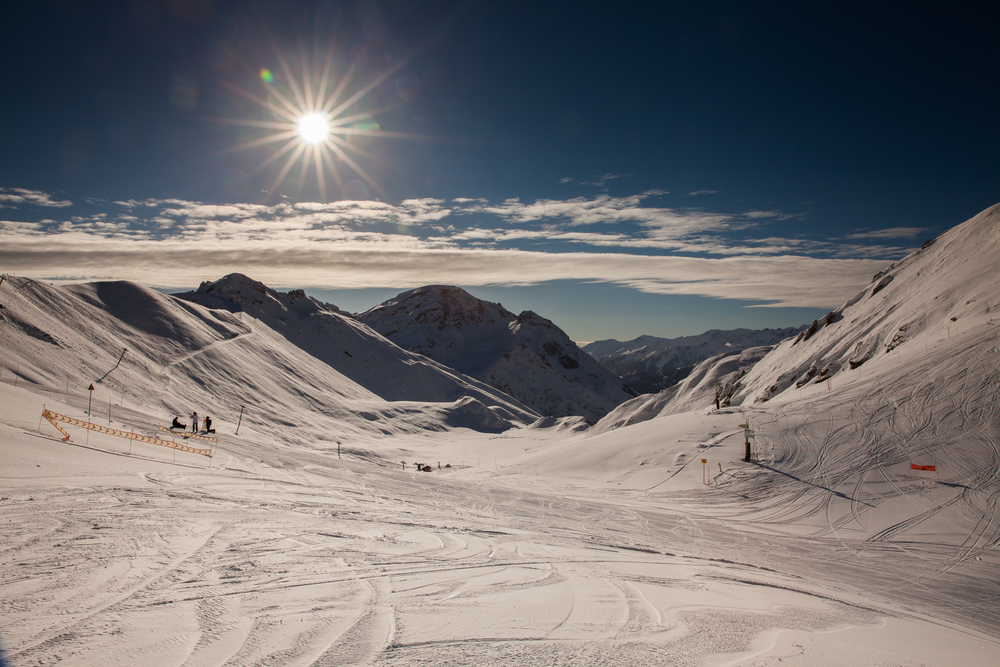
point(194, 424)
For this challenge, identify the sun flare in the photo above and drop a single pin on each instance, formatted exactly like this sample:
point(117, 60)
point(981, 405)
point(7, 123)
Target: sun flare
point(320, 123)
point(314, 127)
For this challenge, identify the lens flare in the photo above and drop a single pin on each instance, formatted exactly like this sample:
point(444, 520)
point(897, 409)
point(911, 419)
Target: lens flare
point(266, 76)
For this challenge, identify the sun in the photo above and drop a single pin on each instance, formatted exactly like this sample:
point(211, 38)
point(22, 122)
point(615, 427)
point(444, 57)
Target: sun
point(319, 117)
point(314, 128)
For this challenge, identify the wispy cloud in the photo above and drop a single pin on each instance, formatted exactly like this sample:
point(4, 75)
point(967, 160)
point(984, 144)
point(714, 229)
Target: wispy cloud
point(702, 192)
point(601, 181)
point(386, 262)
point(891, 233)
point(174, 243)
point(760, 215)
point(10, 197)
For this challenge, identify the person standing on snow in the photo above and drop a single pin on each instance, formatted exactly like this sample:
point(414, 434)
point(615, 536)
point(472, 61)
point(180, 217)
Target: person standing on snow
point(194, 422)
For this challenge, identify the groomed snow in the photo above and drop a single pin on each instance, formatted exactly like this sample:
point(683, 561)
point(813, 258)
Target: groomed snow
point(538, 546)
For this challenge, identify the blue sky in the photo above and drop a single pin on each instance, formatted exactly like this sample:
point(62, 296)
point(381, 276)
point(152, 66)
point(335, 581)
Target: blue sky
point(621, 168)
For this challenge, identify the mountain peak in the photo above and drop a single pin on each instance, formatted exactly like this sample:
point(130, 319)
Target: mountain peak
point(237, 292)
point(443, 306)
point(526, 356)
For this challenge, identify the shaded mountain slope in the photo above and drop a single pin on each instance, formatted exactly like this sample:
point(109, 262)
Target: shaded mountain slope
point(180, 356)
point(349, 346)
point(526, 355)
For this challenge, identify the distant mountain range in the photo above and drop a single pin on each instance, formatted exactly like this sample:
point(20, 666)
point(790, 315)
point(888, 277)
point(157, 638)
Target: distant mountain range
point(525, 356)
point(649, 364)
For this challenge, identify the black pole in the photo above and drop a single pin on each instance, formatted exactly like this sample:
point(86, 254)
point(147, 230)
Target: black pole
point(240, 421)
point(90, 403)
point(124, 350)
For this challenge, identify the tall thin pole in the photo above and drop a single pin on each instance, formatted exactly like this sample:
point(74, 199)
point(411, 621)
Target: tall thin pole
point(89, 404)
point(240, 421)
point(119, 359)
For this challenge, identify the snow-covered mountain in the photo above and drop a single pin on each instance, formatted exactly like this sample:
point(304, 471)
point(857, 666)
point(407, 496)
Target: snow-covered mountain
point(649, 362)
point(864, 530)
point(340, 341)
point(916, 305)
point(229, 345)
point(525, 355)
point(717, 376)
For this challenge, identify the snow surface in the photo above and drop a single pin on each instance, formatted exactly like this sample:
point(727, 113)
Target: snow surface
point(546, 543)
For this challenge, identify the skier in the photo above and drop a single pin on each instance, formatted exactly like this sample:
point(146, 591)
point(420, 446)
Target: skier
point(194, 422)
point(177, 424)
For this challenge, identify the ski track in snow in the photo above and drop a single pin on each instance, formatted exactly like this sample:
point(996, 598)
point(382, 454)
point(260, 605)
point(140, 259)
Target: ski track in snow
point(538, 547)
point(186, 357)
point(341, 566)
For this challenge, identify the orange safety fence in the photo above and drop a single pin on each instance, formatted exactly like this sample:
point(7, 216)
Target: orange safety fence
point(53, 417)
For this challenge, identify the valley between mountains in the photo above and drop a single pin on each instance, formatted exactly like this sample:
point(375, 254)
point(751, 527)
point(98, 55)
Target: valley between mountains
point(555, 518)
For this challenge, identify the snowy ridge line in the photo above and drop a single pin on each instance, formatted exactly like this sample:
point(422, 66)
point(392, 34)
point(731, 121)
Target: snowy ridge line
point(53, 417)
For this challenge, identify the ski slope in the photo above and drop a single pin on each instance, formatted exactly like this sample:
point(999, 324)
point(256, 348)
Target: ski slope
point(544, 543)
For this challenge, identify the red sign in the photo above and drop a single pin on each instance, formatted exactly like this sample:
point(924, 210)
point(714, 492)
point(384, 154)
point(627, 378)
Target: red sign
point(914, 466)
